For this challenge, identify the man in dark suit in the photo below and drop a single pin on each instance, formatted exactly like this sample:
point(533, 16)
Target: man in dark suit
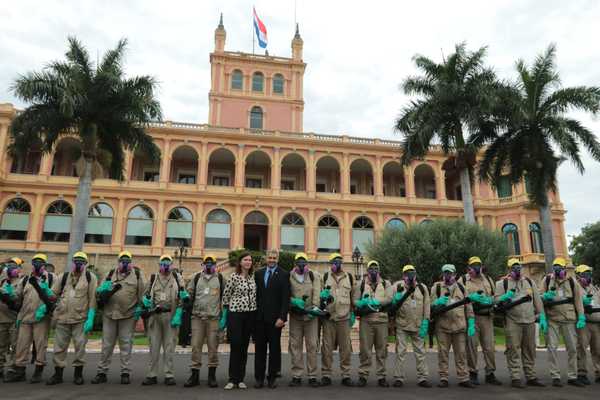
point(273, 301)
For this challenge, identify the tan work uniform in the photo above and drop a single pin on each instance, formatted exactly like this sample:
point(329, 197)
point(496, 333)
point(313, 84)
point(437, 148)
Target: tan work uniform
point(450, 329)
point(336, 329)
point(8, 328)
point(408, 322)
point(484, 325)
point(373, 328)
point(163, 289)
point(118, 322)
point(304, 329)
point(31, 331)
point(77, 297)
point(206, 311)
point(590, 336)
point(561, 321)
point(519, 326)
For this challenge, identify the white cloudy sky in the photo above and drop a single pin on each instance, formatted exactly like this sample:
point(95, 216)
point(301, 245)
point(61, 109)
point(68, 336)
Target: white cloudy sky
point(357, 53)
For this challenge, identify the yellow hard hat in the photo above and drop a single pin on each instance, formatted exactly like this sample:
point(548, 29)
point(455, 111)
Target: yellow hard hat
point(125, 254)
point(408, 268)
point(17, 261)
point(40, 256)
point(209, 257)
point(299, 256)
point(474, 260)
point(582, 268)
point(81, 254)
point(512, 261)
point(165, 257)
point(373, 264)
point(560, 261)
point(333, 256)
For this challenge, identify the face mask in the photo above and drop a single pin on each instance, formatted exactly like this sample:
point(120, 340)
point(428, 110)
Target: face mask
point(585, 279)
point(409, 278)
point(124, 266)
point(13, 272)
point(448, 279)
point(515, 273)
point(373, 274)
point(559, 272)
point(301, 267)
point(78, 265)
point(38, 267)
point(165, 267)
point(209, 267)
point(336, 266)
point(474, 270)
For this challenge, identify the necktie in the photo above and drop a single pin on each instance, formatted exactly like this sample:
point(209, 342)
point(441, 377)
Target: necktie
point(267, 276)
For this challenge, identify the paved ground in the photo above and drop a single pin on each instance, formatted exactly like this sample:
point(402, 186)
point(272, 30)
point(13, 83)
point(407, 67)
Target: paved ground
point(67, 391)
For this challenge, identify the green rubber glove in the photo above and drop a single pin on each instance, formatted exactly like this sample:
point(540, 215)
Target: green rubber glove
point(424, 328)
point(46, 289)
point(40, 312)
point(587, 300)
point(397, 297)
point(183, 295)
point(137, 313)
point(352, 319)
point(325, 293)
point(298, 303)
point(10, 291)
point(580, 322)
point(441, 301)
point(508, 295)
point(223, 320)
point(89, 322)
point(475, 297)
point(362, 302)
point(549, 295)
point(374, 303)
point(18, 323)
point(471, 327)
point(147, 302)
point(543, 323)
point(176, 320)
point(105, 286)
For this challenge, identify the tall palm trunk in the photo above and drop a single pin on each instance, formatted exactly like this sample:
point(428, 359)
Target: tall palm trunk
point(82, 207)
point(467, 197)
point(547, 233)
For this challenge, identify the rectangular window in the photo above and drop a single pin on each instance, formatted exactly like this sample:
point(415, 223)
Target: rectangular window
point(217, 236)
point(321, 187)
point(504, 187)
point(237, 81)
point(288, 185)
point(151, 176)
point(187, 178)
point(278, 86)
point(328, 240)
point(361, 238)
point(220, 181)
point(292, 238)
point(254, 183)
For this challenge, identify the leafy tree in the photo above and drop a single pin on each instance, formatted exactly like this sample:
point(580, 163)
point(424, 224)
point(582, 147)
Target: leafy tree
point(96, 104)
point(430, 246)
point(585, 247)
point(452, 107)
point(537, 135)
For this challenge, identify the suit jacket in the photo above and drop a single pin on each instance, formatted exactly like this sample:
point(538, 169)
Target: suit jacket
point(273, 301)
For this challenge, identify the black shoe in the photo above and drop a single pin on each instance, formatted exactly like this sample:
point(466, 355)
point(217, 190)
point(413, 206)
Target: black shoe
point(362, 381)
point(170, 381)
point(259, 384)
point(272, 383)
point(584, 379)
point(474, 378)
point(37, 374)
point(443, 384)
point(78, 375)
point(312, 382)
point(295, 382)
point(424, 384)
point(467, 384)
point(556, 382)
point(490, 379)
point(325, 381)
point(193, 380)
point(125, 379)
point(57, 378)
point(18, 375)
point(99, 378)
point(381, 382)
point(535, 383)
point(516, 383)
point(149, 381)
point(347, 382)
point(575, 382)
point(212, 377)
point(398, 383)
point(597, 380)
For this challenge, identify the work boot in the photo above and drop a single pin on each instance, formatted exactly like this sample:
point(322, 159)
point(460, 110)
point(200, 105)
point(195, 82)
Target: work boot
point(18, 375)
point(584, 379)
point(78, 375)
point(474, 378)
point(348, 382)
point(575, 382)
point(2, 374)
point(170, 381)
point(312, 382)
point(467, 384)
point(597, 380)
point(424, 384)
point(362, 382)
point(443, 384)
point(149, 380)
point(382, 383)
point(194, 379)
point(556, 382)
point(535, 383)
point(325, 381)
point(212, 377)
point(125, 380)
point(57, 377)
point(99, 378)
point(491, 380)
point(516, 383)
point(37, 374)
point(398, 383)
point(295, 382)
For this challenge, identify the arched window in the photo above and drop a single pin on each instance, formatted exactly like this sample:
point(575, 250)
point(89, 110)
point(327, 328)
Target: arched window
point(362, 233)
point(237, 80)
point(511, 233)
point(179, 227)
point(15, 220)
point(258, 80)
point(217, 233)
point(328, 235)
point(535, 234)
point(57, 222)
point(256, 118)
point(278, 83)
point(426, 222)
point(396, 223)
point(99, 224)
point(140, 224)
point(292, 233)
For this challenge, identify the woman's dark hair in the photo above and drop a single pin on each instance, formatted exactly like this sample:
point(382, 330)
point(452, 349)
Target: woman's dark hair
point(241, 256)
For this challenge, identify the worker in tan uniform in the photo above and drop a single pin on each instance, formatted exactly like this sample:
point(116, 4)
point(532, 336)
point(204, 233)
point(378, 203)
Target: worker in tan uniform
point(480, 289)
point(411, 309)
point(10, 278)
point(33, 320)
point(373, 294)
point(163, 306)
point(120, 294)
point(305, 287)
point(590, 335)
point(451, 324)
point(337, 293)
point(518, 300)
point(74, 316)
point(206, 292)
point(563, 304)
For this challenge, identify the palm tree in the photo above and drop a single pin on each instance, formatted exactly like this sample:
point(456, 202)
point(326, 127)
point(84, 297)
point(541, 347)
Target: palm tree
point(107, 112)
point(453, 99)
point(538, 135)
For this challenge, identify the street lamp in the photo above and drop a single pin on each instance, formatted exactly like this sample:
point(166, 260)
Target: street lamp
point(357, 259)
point(180, 253)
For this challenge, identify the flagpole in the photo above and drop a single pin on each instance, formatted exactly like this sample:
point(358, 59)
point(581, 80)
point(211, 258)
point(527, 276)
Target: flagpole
point(252, 25)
